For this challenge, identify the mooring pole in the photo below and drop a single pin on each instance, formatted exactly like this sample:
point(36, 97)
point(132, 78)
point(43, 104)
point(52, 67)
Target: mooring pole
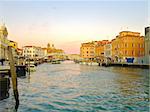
point(13, 76)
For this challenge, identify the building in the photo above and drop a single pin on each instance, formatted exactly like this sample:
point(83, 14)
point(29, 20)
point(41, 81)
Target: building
point(44, 51)
point(108, 50)
point(14, 46)
point(53, 53)
point(147, 45)
point(87, 50)
point(3, 42)
point(128, 47)
point(51, 49)
point(33, 52)
point(99, 50)
point(108, 53)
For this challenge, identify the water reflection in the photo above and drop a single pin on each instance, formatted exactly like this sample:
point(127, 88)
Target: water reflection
point(73, 87)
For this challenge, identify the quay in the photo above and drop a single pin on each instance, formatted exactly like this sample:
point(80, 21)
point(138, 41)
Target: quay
point(133, 65)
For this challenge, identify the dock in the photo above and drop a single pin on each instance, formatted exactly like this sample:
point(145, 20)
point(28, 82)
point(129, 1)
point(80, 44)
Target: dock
point(133, 65)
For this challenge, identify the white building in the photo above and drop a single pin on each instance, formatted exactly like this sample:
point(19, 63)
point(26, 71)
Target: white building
point(33, 52)
point(108, 52)
point(44, 51)
point(147, 45)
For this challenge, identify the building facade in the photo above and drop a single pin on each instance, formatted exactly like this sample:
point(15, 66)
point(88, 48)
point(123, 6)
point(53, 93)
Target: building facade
point(108, 50)
point(51, 49)
point(54, 53)
point(14, 46)
point(87, 50)
point(33, 52)
point(147, 45)
point(99, 50)
point(128, 47)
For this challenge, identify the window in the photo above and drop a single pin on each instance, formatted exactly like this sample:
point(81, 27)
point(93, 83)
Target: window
point(139, 53)
point(125, 52)
point(139, 45)
point(132, 52)
point(125, 45)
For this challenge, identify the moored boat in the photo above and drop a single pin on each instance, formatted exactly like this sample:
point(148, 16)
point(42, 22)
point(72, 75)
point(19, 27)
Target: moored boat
point(31, 68)
point(55, 62)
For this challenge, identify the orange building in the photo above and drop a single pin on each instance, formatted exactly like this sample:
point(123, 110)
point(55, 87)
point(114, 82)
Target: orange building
point(127, 45)
point(87, 50)
point(99, 49)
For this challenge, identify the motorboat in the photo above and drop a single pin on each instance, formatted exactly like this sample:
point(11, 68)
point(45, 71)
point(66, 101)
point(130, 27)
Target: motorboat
point(31, 68)
point(55, 62)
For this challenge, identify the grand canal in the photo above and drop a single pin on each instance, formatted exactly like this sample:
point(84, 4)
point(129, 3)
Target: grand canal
point(70, 87)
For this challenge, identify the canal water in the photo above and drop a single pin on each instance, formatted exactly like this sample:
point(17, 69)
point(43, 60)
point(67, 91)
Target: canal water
point(70, 87)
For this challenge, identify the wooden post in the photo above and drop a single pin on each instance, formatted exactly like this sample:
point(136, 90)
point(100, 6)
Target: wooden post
point(29, 66)
point(13, 76)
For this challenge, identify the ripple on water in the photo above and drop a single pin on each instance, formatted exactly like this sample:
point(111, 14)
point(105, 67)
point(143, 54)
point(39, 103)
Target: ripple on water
point(77, 88)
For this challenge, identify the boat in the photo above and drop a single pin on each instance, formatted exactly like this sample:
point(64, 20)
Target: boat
point(55, 62)
point(31, 68)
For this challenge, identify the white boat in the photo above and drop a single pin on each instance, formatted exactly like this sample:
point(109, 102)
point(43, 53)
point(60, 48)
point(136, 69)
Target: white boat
point(31, 68)
point(95, 63)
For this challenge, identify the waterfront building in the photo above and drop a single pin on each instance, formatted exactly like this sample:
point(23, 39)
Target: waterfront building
point(29, 51)
point(39, 53)
point(128, 47)
point(52, 49)
point(108, 52)
point(54, 53)
point(44, 51)
point(99, 50)
point(87, 50)
point(3, 42)
point(14, 46)
point(32, 52)
point(147, 45)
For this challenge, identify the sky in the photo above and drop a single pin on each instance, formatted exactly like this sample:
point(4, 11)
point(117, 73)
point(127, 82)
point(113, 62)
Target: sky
point(67, 24)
